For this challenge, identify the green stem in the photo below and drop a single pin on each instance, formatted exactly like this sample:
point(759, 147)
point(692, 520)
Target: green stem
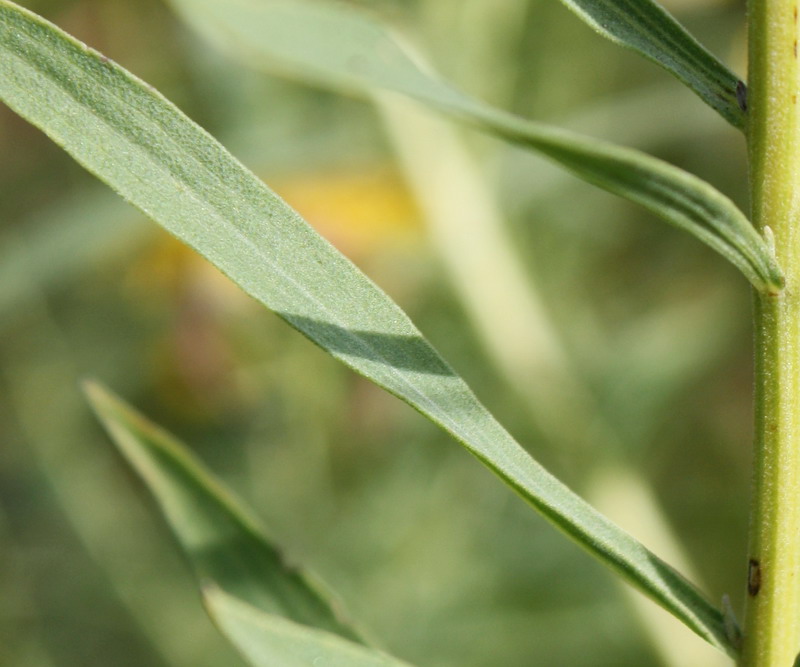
point(772, 616)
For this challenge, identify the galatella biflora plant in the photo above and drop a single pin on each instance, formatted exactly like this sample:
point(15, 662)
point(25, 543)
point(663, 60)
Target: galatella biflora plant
point(142, 146)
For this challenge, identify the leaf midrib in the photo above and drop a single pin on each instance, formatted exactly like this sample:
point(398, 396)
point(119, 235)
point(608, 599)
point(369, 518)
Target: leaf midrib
point(371, 351)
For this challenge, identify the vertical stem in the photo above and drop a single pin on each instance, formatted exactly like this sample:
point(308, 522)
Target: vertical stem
point(772, 615)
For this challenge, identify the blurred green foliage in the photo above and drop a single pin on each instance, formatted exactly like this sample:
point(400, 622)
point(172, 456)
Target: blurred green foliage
point(441, 561)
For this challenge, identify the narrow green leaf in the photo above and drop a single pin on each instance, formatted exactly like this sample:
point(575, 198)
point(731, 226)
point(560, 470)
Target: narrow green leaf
point(269, 641)
point(647, 28)
point(334, 45)
point(131, 137)
point(225, 544)
point(269, 610)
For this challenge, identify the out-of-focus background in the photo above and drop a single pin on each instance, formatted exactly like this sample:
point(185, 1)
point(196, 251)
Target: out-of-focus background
point(615, 348)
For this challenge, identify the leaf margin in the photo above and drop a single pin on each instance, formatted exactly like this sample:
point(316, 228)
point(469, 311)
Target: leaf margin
point(179, 483)
point(670, 193)
point(489, 441)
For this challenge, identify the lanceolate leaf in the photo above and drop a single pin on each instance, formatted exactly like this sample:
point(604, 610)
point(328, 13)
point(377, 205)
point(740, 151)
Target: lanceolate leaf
point(268, 609)
point(223, 541)
point(145, 148)
point(646, 27)
point(337, 46)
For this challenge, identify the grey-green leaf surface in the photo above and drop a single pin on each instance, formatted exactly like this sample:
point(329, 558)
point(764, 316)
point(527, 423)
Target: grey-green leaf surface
point(336, 45)
point(268, 641)
point(268, 609)
point(131, 137)
point(647, 28)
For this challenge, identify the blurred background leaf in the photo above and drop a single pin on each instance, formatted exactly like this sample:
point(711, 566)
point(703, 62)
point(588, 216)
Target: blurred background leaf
point(448, 566)
point(334, 45)
point(273, 612)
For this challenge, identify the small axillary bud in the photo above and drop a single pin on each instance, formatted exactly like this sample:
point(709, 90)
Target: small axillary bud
point(769, 238)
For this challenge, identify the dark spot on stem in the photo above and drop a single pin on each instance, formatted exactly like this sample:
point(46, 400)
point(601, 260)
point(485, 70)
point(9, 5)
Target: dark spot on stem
point(741, 95)
point(794, 49)
point(794, 14)
point(753, 577)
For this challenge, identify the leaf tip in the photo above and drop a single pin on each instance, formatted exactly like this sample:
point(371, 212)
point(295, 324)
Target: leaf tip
point(101, 399)
point(95, 392)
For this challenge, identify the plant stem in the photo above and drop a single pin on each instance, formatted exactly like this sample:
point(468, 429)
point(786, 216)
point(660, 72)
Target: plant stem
point(772, 615)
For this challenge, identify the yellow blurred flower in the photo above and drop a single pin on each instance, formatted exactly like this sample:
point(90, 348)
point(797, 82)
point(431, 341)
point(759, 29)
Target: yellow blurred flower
point(361, 211)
